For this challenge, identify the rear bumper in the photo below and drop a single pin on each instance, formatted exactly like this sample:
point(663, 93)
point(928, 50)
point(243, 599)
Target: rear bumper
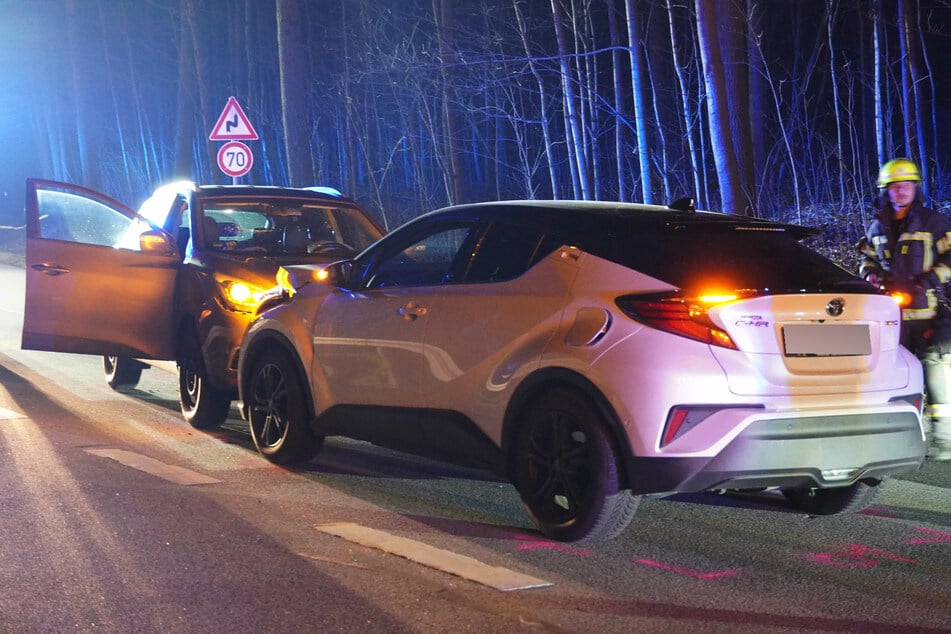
point(821, 452)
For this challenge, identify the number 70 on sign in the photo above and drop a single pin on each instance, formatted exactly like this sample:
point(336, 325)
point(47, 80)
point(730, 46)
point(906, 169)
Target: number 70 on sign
point(235, 159)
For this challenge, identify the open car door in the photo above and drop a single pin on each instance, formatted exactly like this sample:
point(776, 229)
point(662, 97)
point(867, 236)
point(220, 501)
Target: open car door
point(99, 278)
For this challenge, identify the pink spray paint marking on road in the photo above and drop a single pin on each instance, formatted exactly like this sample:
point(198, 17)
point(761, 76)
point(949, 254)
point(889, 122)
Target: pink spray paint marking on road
point(944, 537)
point(684, 571)
point(856, 556)
point(540, 543)
point(877, 511)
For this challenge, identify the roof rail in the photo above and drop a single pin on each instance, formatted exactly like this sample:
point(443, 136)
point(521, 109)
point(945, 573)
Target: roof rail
point(683, 204)
point(330, 191)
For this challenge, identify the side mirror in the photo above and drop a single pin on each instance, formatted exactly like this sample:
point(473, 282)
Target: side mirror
point(339, 273)
point(156, 241)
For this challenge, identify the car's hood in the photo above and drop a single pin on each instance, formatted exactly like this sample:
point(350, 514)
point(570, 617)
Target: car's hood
point(260, 271)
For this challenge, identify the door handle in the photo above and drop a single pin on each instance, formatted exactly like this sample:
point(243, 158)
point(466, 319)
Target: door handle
point(412, 310)
point(50, 269)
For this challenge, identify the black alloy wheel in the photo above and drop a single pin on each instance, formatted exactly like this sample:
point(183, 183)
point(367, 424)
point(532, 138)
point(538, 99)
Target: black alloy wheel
point(566, 470)
point(278, 414)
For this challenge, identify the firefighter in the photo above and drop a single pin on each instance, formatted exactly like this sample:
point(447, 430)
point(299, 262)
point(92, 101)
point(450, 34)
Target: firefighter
point(908, 247)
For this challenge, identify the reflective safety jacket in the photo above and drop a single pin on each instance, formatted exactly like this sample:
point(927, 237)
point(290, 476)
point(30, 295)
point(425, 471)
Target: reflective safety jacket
point(913, 254)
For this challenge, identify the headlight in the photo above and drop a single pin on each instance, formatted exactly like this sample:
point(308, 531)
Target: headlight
point(240, 296)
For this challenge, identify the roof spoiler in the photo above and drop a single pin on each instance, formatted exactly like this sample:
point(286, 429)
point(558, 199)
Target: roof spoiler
point(683, 204)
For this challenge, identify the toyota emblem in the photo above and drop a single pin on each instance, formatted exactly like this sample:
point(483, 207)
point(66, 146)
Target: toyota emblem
point(835, 307)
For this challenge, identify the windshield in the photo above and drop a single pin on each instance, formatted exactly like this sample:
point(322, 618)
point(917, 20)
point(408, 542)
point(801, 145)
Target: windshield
point(276, 227)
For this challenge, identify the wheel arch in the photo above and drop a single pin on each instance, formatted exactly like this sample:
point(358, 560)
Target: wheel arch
point(540, 382)
point(268, 341)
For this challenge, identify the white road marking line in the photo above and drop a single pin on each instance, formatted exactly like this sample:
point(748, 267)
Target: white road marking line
point(9, 414)
point(178, 475)
point(447, 561)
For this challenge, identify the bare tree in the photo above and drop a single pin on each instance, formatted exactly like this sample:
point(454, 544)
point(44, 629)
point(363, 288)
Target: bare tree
point(731, 188)
point(292, 50)
point(836, 100)
point(573, 127)
point(543, 98)
point(639, 90)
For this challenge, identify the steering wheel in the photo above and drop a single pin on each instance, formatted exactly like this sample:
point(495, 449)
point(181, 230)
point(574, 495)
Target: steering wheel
point(330, 246)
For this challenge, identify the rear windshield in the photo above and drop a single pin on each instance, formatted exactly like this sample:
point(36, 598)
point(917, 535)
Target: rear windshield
point(701, 256)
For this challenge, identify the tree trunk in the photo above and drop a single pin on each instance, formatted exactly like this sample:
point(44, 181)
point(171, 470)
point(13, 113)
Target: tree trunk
point(572, 121)
point(688, 112)
point(836, 101)
point(731, 196)
point(756, 101)
point(618, 103)
point(638, 90)
point(207, 169)
point(443, 14)
point(733, 46)
point(292, 53)
point(184, 158)
point(542, 100)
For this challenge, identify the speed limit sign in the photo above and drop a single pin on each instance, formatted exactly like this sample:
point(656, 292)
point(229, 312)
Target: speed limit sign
point(235, 159)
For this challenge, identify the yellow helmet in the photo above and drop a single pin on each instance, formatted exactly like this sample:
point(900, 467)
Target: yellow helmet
point(898, 170)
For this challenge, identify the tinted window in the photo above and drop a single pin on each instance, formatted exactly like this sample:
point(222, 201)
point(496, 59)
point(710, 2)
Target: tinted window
point(352, 229)
point(691, 256)
point(504, 253)
point(425, 262)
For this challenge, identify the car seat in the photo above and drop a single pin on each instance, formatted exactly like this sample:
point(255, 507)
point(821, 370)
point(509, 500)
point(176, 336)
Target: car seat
point(210, 229)
point(296, 238)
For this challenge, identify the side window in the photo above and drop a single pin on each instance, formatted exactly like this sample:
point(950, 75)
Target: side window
point(354, 230)
point(74, 218)
point(426, 262)
point(504, 253)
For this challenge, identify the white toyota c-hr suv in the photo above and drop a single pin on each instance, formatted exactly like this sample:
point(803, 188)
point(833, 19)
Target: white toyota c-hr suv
point(593, 353)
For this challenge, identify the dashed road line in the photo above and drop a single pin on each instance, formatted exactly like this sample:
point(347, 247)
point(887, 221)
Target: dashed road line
point(9, 414)
point(178, 475)
point(445, 560)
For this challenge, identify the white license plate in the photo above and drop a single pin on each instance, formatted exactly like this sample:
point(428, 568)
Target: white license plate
point(826, 340)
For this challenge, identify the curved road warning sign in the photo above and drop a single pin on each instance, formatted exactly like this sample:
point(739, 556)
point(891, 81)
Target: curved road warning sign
point(233, 124)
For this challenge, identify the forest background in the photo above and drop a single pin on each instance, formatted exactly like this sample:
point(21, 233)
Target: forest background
point(782, 109)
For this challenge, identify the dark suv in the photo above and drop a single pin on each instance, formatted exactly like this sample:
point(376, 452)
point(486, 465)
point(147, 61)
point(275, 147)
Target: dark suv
point(189, 268)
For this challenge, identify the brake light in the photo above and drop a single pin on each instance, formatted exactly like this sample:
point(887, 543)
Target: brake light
point(683, 316)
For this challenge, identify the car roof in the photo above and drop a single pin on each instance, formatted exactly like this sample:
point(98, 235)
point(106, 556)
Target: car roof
point(578, 215)
point(250, 191)
point(157, 206)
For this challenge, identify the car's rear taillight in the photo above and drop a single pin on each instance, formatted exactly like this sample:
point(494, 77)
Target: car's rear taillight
point(684, 316)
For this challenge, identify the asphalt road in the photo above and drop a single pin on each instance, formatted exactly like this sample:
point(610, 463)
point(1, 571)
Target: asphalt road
point(116, 516)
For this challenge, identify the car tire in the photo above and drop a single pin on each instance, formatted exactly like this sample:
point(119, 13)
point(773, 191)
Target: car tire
point(850, 499)
point(203, 405)
point(566, 470)
point(122, 373)
point(278, 415)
